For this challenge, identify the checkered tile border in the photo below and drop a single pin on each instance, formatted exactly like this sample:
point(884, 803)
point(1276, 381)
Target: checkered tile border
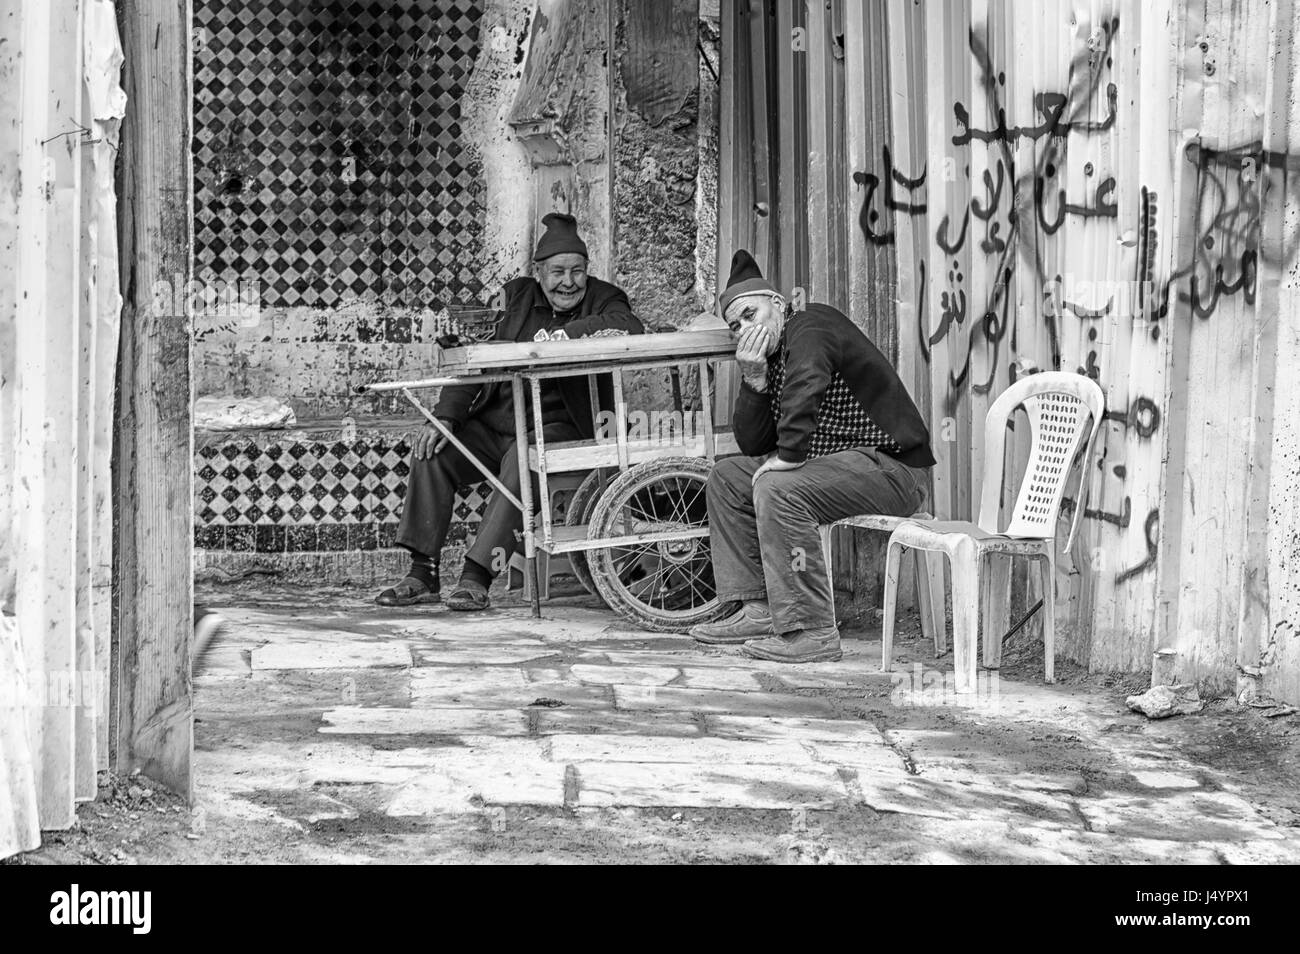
point(329, 157)
point(291, 495)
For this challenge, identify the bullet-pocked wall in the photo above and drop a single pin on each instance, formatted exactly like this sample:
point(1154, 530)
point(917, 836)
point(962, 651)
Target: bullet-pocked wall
point(356, 187)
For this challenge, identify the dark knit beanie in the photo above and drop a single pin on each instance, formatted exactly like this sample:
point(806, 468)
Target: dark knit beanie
point(746, 279)
point(561, 236)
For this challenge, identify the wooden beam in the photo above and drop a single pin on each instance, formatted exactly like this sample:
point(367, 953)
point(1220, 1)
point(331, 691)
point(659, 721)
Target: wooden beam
point(584, 455)
point(581, 351)
point(154, 475)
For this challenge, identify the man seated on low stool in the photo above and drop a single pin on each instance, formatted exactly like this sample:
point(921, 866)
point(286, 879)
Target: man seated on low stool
point(560, 296)
point(829, 432)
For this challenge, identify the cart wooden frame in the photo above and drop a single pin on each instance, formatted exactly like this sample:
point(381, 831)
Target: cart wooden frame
point(526, 365)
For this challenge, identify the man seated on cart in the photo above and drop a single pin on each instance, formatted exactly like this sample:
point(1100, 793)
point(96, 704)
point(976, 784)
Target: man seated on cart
point(559, 296)
point(829, 432)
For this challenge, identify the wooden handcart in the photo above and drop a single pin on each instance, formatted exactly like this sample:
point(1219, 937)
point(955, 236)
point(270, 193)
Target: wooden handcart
point(636, 529)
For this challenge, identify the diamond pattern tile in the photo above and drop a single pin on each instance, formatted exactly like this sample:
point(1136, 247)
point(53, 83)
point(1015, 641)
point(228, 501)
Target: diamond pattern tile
point(327, 139)
point(354, 484)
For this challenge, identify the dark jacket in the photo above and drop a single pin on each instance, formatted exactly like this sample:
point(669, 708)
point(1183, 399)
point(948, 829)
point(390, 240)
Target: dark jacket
point(816, 343)
point(603, 306)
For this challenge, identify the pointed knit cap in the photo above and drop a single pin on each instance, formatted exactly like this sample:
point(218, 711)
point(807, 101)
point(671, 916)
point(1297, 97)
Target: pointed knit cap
point(561, 236)
point(746, 279)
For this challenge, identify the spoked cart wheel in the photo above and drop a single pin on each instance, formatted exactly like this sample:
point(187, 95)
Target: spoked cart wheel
point(581, 506)
point(665, 585)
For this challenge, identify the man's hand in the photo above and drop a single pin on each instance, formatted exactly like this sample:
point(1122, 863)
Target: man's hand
point(429, 440)
point(771, 463)
point(751, 356)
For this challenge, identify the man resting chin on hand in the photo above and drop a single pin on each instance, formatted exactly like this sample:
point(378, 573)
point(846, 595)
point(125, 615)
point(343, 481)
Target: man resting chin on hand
point(829, 432)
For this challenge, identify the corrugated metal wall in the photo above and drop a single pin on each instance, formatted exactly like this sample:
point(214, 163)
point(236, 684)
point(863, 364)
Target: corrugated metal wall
point(60, 109)
point(1106, 188)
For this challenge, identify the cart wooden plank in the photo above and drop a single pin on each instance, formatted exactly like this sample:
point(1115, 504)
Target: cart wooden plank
point(497, 356)
point(573, 538)
point(585, 455)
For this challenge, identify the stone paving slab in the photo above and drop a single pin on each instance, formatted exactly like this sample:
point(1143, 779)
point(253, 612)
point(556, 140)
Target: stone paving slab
point(635, 698)
point(1162, 779)
point(354, 720)
point(738, 680)
point(330, 654)
point(279, 766)
point(495, 688)
point(454, 628)
point(910, 795)
point(625, 675)
point(807, 730)
point(466, 781)
point(694, 659)
point(1215, 816)
point(873, 757)
point(468, 654)
point(716, 786)
point(1004, 777)
point(456, 685)
point(544, 695)
point(439, 637)
point(562, 722)
point(693, 751)
point(805, 677)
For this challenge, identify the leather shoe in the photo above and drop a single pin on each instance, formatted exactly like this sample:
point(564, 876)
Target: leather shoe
point(801, 646)
point(750, 621)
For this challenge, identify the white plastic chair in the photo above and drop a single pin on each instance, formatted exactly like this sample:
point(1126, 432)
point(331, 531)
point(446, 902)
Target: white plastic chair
point(927, 570)
point(1058, 405)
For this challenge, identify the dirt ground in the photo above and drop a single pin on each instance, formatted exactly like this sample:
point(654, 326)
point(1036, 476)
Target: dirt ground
point(1074, 777)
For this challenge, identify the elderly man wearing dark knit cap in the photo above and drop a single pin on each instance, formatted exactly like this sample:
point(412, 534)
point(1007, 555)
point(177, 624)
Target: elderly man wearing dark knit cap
point(559, 296)
point(829, 432)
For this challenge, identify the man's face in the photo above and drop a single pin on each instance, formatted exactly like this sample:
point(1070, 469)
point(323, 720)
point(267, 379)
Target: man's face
point(765, 310)
point(564, 280)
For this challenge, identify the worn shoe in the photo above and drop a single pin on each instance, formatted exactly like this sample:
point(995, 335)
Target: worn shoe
point(751, 621)
point(407, 593)
point(801, 646)
point(469, 596)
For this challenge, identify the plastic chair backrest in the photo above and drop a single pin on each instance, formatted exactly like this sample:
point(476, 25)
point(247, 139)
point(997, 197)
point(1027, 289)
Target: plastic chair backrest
point(1058, 405)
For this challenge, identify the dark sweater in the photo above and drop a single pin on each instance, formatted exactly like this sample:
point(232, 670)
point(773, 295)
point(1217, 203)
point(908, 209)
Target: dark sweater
point(527, 309)
point(817, 343)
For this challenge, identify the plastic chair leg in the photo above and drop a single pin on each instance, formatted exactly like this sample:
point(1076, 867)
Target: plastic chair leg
point(928, 567)
point(1049, 617)
point(892, 555)
point(965, 613)
point(996, 599)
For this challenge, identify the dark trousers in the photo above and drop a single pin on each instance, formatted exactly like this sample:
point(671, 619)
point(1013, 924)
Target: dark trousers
point(431, 494)
point(765, 542)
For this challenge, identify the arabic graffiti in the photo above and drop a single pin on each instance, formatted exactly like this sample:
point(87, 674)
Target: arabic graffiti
point(870, 216)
